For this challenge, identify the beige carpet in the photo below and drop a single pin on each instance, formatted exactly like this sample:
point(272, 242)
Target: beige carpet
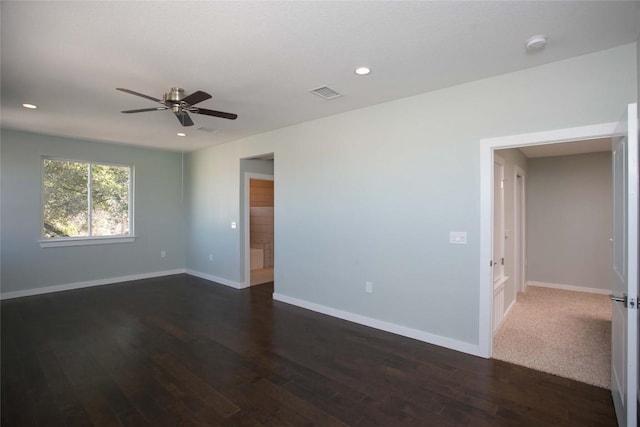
point(560, 332)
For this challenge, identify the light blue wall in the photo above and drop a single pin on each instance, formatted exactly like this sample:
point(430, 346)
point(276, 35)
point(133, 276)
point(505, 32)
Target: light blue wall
point(569, 220)
point(159, 215)
point(213, 203)
point(372, 194)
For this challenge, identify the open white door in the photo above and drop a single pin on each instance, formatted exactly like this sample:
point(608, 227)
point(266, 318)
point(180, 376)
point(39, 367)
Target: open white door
point(624, 315)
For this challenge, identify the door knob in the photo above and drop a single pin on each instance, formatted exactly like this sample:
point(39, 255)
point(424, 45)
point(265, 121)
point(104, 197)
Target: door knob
point(623, 299)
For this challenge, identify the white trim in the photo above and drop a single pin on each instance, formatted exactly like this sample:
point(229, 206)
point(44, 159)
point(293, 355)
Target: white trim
point(508, 310)
point(216, 279)
point(87, 284)
point(602, 130)
point(519, 225)
point(499, 283)
point(501, 241)
point(487, 146)
point(84, 241)
point(247, 222)
point(569, 287)
point(504, 316)
point(380, 324)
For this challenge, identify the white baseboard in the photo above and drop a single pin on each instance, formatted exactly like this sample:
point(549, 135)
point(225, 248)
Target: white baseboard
point(87, 284)
point(504, 316)
point(513, 304)
point(220, 280)
point(382, 325)
point(568, 287)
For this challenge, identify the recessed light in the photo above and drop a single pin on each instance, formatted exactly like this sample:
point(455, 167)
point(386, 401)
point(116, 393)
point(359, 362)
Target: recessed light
point(536, 43)
point(362, 71)
point(181, 134)
point(30, 106)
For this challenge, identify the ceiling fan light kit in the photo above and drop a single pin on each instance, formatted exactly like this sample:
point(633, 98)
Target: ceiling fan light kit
point(179, 104)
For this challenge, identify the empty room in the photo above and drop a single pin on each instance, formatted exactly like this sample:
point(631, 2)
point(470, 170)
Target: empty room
point(281, 213)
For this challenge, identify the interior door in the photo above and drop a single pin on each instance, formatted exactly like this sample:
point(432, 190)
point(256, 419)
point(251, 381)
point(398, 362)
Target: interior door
point(624, 314)
point(519, 224)
point(498, 218)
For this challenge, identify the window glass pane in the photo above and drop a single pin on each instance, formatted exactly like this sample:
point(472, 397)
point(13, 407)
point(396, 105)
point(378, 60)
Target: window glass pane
point(109, 200)
point(65, 210)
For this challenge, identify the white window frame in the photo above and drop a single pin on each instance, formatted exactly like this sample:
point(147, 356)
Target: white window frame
point(88, 240)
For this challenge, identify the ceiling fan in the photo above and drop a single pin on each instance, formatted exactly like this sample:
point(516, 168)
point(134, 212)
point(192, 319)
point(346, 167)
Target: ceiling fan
point(180, 105)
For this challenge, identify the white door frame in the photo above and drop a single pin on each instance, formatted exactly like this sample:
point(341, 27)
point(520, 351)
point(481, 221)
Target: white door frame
point(499, 259)
point(487, 146)
point(247, 224)
point(519, 225)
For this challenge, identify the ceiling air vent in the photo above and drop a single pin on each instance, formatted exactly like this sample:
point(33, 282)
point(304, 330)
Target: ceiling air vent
point(208, 130)
point(326, 92)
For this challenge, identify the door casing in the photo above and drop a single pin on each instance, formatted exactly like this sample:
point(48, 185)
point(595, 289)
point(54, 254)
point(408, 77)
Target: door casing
point(498, 219)
point(519, 221)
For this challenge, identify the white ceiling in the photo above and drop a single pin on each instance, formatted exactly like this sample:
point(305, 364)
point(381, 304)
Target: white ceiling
point(567, 148)
point(260, 59)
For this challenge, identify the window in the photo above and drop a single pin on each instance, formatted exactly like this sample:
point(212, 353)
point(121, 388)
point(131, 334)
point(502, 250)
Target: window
point(84, 200)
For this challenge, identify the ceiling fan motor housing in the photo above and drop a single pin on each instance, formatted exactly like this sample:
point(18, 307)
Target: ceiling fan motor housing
point(175, 95)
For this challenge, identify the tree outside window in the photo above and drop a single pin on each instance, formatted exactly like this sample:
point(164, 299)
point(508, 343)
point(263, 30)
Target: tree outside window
point(84, 199)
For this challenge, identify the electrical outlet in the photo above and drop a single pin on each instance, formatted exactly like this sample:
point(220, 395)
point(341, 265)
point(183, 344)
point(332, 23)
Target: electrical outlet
point(368, 287)
point(163, 254)
point(210, 257)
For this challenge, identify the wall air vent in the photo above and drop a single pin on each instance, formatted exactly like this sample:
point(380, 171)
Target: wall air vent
point(326, 92)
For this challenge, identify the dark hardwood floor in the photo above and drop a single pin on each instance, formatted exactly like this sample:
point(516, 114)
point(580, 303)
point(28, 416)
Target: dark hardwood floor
point(180, 351)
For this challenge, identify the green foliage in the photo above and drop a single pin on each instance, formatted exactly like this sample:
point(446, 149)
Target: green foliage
point(66, 199)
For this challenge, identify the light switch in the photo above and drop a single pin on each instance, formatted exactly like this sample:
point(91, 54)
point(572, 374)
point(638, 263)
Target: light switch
point(458, 237)
point(233, 225)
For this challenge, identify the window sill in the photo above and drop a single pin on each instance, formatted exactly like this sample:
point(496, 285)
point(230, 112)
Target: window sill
point(85, 241)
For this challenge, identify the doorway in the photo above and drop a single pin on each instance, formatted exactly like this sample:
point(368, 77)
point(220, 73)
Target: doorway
point(488, 146)
point(259, 236)
point(258, 216)
point(562, 324)
point(625, 332)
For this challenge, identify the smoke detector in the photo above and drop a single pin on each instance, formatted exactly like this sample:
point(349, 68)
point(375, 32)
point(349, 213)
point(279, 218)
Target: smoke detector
point(536, 43)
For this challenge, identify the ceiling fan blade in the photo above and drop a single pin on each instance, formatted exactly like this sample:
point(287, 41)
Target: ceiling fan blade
point(214, 113)
point(196, 97)
point(131, 92)
point(142, 110)
point(184, 118)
